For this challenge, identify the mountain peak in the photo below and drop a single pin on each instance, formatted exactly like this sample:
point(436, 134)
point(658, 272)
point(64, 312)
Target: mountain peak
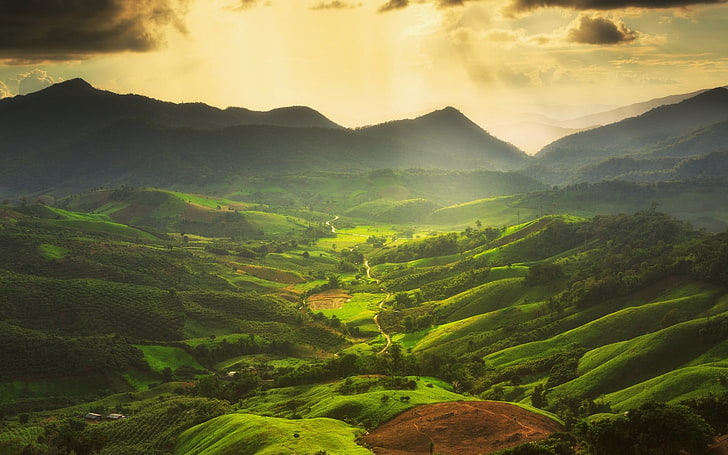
point(448, 117)
point(446, 112)
point(71, 87)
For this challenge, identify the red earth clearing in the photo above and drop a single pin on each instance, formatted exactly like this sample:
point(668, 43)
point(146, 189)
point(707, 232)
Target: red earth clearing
point(462, 428)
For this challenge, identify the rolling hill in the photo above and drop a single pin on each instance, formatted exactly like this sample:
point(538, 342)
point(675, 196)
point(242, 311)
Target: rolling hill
point(571, 315)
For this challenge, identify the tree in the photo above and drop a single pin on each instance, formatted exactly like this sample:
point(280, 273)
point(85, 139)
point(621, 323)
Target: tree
point(403, 300)
point(293, 405)
point(669, 429)
point(653, 428)
point(333, 281)
point(167, 374)
point(538, 398)
point(409, 323)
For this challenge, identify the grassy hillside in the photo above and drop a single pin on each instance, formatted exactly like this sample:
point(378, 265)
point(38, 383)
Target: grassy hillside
point(247, 433)
point(570, 314)
point(698, 202)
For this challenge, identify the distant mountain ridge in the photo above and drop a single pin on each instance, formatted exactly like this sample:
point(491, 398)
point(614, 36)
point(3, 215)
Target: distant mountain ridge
point(110, 107)
point(72, 137)
point(624, 112)
point(695, 126)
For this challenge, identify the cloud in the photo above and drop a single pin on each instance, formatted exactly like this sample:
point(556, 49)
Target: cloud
point(4, 90)
point(33, 81)
point(597, 29)
point(392, 5)
point(243, 5)
point(528, 5)
point(336, 4)
point(28, 82)
point(39, 30)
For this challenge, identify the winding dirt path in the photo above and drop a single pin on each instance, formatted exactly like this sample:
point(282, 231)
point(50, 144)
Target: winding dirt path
point(379, 326)
point(381, 306)
point(328, 223)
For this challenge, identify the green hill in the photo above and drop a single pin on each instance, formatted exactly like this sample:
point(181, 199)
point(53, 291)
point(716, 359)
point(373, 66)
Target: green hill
point(247, 433)
point(574, 315)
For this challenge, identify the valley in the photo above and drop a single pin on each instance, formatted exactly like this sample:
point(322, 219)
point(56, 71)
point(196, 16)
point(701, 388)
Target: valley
point(413, 287)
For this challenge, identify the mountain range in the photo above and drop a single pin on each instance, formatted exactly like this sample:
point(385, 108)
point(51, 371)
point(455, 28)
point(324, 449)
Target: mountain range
point(71, 137)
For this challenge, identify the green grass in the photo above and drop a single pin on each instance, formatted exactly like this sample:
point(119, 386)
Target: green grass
point(52, 252)
point(252, 434)
point(452, 335)
point(271, 360)
point(161, 357)
point(618, 326)
point(204, 201)
point(413, 340)
point(140, 381)
point(359, 303)
point(640, 359)
point(493, 295)
point(673, 386)
point(273, 224)
point(496, 211)
point(368, 408)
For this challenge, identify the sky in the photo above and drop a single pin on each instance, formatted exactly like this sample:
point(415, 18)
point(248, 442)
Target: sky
point(361, 62)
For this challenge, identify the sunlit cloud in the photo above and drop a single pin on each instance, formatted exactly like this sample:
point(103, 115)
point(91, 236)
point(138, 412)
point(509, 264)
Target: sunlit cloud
point(598, 29)
point(4, 90)
point(27, 82)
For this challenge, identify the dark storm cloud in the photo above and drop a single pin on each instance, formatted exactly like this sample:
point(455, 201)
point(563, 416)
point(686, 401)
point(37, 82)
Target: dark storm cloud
point(528, 5)
point(33, 30)
point(595, 29)
point(335, 5)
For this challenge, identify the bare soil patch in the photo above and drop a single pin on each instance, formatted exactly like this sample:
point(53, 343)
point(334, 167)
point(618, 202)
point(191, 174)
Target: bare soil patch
point(719, 446)
point(460, 428)
point(333, 299)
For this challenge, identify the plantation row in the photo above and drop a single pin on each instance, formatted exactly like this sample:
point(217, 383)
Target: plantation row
point(90, 307)
point(32, 355)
